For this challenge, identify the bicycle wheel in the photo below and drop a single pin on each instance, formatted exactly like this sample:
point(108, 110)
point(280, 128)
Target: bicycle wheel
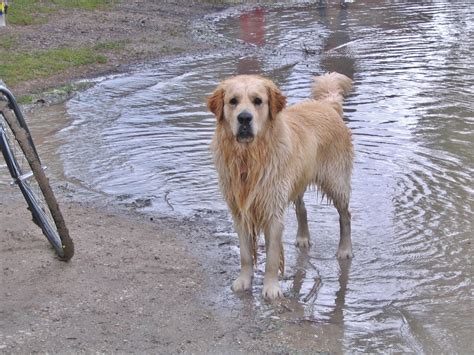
point(25, 168)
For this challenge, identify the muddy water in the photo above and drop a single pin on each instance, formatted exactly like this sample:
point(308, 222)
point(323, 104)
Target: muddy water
point(144, 138)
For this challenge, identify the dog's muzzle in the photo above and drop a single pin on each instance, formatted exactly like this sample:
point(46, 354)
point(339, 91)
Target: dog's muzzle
point(245, 132)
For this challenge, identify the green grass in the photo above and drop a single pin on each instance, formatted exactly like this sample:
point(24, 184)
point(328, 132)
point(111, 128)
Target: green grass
point(85, 4)
point(26, 12)
point(7, 42)
point(26, 99)
point(30, 12)
point(21, 66)
point(58, 92)
point(111, 45)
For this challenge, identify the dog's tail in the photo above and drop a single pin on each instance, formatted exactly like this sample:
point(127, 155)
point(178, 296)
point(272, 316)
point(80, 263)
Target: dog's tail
point(332, 88)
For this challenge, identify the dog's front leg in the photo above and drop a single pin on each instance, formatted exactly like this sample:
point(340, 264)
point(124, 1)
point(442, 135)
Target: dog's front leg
point(273, 235)
point(244, 281)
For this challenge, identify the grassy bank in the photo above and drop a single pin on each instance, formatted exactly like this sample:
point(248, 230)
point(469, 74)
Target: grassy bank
point(29, 12)
point(18, 67)
point(50, 43)
point(21, 65)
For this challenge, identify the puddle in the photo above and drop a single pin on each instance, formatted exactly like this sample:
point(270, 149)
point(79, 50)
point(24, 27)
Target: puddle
point(144, 137)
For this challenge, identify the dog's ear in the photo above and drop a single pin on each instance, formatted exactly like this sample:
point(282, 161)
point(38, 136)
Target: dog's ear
point(276, 100)
point(215, 103)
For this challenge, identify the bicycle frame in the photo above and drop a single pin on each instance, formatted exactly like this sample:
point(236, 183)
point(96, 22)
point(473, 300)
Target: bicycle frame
point(12, 103)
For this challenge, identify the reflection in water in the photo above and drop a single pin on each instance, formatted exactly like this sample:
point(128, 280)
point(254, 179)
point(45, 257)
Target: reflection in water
point(337, 315)
point(252, 30)
point(409, 286)
point(339, 60)
point(252, 27)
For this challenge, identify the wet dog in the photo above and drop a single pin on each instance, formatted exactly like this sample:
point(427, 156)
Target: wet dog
point(266, 156)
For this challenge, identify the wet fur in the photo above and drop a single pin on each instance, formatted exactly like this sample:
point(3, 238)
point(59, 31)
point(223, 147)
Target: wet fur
point(302, 145)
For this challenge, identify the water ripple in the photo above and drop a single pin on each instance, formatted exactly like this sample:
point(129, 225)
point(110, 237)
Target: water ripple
point(146, 135)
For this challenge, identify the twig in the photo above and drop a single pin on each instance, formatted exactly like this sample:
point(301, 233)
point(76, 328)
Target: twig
point(167, 200)
point(314, 289)
point(307, 50)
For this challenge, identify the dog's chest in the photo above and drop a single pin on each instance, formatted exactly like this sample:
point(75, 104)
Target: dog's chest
point(244, 181)
point(250, 179)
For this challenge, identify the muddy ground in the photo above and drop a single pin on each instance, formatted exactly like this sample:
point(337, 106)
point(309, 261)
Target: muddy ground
point(137, 283)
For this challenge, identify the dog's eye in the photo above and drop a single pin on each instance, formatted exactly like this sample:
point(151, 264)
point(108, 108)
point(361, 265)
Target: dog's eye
point(257, 101)
point(233, 101)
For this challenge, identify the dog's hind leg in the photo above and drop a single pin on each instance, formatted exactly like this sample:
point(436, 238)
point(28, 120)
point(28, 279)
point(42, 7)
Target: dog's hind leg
point(244, 281)
point(345, 243)
point(337, 186)
point(302, 236)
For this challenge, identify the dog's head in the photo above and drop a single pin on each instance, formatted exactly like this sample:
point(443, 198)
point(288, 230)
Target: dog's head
point(246, 103)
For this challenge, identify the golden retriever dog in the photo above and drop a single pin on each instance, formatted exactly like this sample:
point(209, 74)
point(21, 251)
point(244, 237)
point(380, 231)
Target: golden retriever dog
point(267, 155)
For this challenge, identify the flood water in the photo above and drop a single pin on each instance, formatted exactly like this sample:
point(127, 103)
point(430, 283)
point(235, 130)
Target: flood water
point(144, 137)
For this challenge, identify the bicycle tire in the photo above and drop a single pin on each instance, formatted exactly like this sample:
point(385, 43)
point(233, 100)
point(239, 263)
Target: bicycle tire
point(55, 231)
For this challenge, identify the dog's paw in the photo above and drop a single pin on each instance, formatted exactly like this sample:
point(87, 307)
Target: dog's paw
point(302, 242)
point(344, 253)
point(271, 290)
point(242, 283)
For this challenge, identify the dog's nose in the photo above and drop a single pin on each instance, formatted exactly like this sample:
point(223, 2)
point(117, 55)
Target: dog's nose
point(244, 117)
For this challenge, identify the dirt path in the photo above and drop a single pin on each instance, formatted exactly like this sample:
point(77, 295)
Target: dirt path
point(128, 288)
point(136, 284)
